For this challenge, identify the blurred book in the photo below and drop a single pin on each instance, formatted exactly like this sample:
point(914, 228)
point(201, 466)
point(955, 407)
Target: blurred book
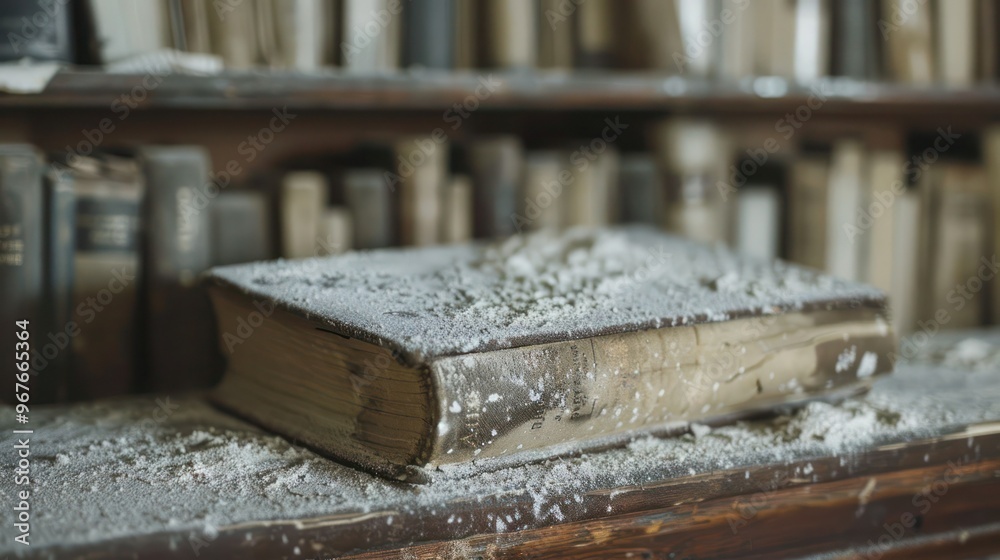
point(457, 223)
point(22, 263)
point(422, 172)
point(642, 192)
point(855, 38)
point(107, 275)
point(556, 38)
point(497, 165)
point(846, 193)
point(595, 33)
point(509, 31)
point(178, 249)
point(909, 42)
point(429, 33)
point(26, 35)
point(336, 233)
point(368, 198)
point(304, 195)
point(241, 228)
point(371, 35)
point(758, 221)
point(807, 219)
point(60, 238)
point(955, 41)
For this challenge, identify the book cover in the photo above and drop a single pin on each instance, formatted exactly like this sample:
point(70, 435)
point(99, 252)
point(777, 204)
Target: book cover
point(107, 274)
point(21, 260)
point(177, 250)
point(497, 352)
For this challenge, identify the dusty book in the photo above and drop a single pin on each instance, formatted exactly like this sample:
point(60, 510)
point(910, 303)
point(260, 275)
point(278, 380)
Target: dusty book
point(539, 345)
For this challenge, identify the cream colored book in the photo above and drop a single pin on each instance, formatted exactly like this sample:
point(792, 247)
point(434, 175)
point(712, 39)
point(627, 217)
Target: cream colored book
point(533, 346)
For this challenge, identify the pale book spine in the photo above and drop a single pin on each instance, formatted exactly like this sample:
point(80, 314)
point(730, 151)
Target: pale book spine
point(956, 41)
point(423, 167)
point(844, 198)
point(303, 197)
point(886, 173)
point(336, 231)
point(457, 225)
point(596, 391)
point(545, 180)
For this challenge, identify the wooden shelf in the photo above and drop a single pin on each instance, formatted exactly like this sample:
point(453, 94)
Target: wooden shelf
point(539, 91)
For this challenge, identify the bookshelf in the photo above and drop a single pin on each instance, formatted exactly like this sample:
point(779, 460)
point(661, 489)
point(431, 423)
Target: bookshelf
point(514, 91)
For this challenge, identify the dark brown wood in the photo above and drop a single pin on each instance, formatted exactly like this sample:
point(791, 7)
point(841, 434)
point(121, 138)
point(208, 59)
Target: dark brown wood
point(836, 504)
point(497, 90)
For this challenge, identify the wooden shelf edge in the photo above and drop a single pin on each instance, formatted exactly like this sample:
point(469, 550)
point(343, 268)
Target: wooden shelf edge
point(497, 90)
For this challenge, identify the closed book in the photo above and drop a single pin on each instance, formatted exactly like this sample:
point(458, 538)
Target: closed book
point(178, 249)
point(423, 170)
point(21, 263)
point(241, 228)
point(533, 346)
point(758, 221)
point(591, 199)
point(736, 40)
point(509, 34)
point(878, 220)
point(595, 34)
point(235, 35)
point(429, 33)
point(107, 276)
point(302, 39)
point(555, 36)
point(698, 58)
point(457, 223)
point(369, 199)
point(958, 241)
point(774, 43)
point(909, 45)
point(653, 32)
point(191, 25)
point(37, 30)
point(497, 166)
point(642, 190)
point(547, 175)
point(336, 232)
point(856, 40)
point(812, 39)
point(955, 42)
point(905, 259)
point(60, 240)
point(846, 193)
point(371, 36)
point(129, 28)
point(807, 201)
point(303, 197)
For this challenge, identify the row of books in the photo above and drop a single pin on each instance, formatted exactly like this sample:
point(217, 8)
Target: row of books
point(914, 41)
point(106, 250)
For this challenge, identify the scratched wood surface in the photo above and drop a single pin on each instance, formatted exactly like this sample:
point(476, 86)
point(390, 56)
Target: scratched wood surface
point(936, 495)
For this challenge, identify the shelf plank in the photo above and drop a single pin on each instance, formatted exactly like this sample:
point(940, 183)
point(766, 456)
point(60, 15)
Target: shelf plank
point(537, 91)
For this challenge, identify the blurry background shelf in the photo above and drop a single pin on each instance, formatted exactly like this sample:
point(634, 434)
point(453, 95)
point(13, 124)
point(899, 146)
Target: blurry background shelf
point(430, 90)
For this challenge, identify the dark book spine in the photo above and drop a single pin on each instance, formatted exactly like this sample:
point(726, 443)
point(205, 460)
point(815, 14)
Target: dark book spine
point(642, 190)
point(180, 346)
point(103, 324)
point(60, 236)
point(38, 29)
point(241, 228)
point(368, 197)
point(855, 42)
point(429, 28)
point(497, 165)
point(20, 262)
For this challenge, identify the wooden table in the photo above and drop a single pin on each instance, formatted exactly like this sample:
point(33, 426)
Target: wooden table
point(910, 471)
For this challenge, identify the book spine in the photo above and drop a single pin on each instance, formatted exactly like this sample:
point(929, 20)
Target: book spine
point(179, 345)
point(21, 255)
point(241, 228)
point(60, 234)
point(457, 225)
point(429, 26)
point(497, 165)
point(582, 394)
point(368, 197)
point(423, 167)
point(642, 190)
point(37, 30)
point(105, 285)
point(303, 197)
